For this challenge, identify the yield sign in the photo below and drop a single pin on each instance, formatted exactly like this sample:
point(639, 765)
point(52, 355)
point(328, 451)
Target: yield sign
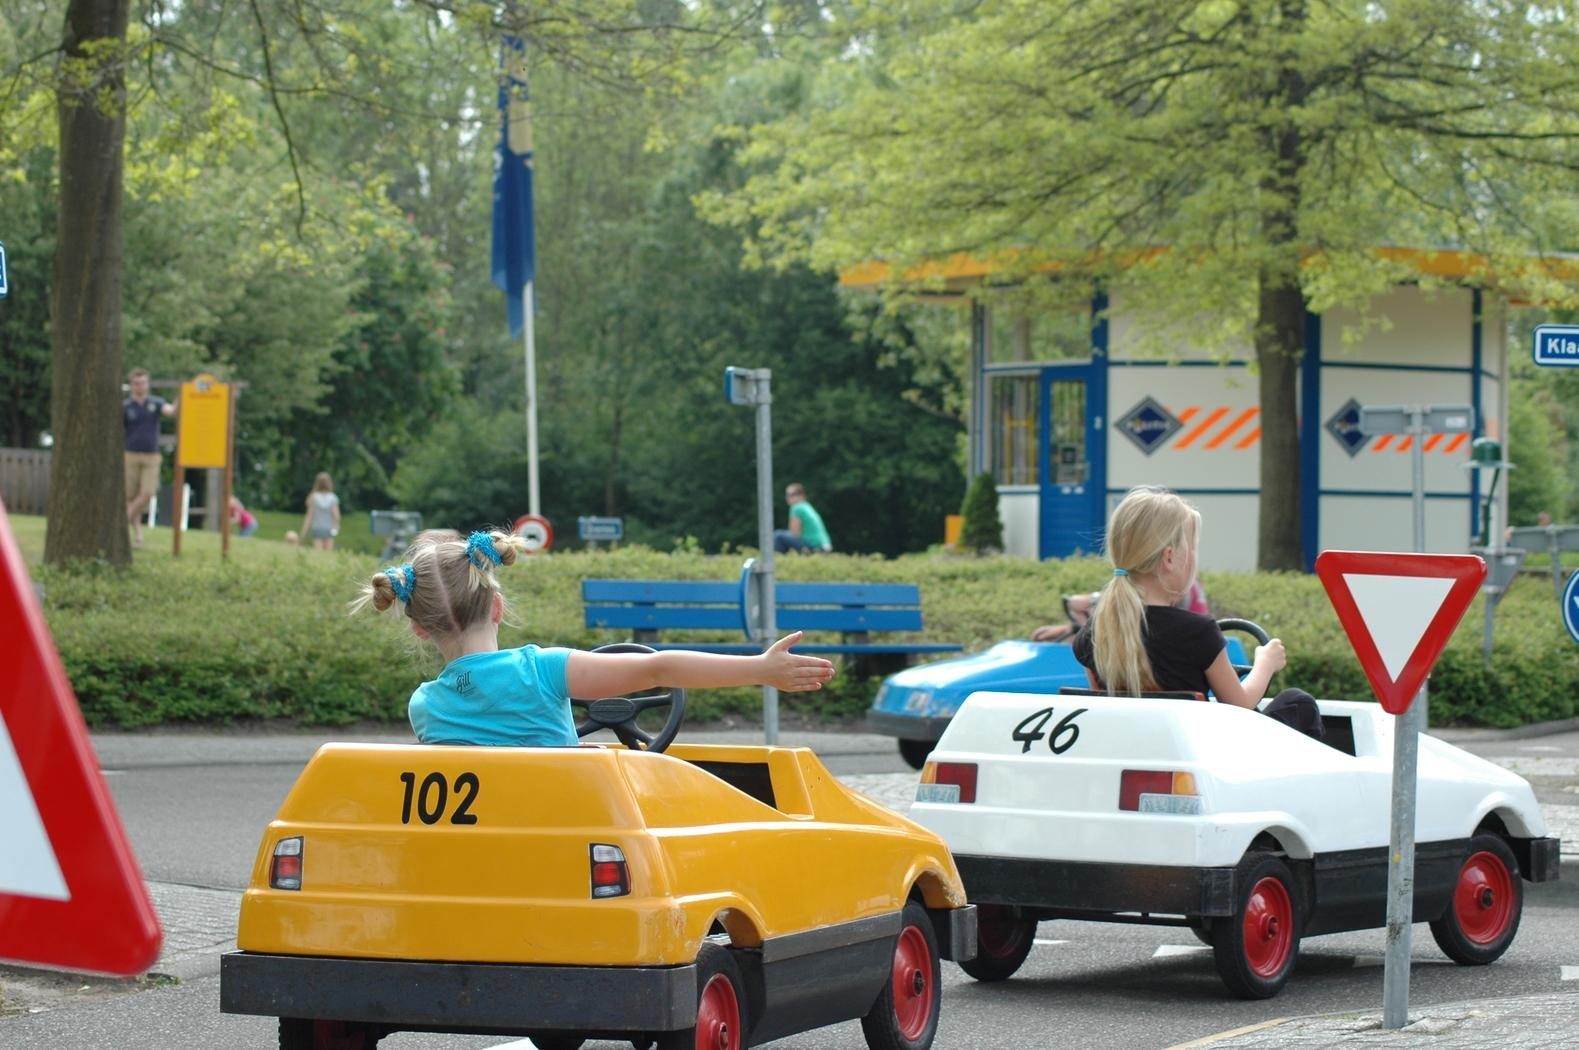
point(1399, 610)
point(70, 891)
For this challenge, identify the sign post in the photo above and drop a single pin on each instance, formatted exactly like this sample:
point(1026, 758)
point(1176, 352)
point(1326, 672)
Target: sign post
point(1399, 610)
point(1417, 421)
point(205, 436)
point(70, 892)
point(754, 386)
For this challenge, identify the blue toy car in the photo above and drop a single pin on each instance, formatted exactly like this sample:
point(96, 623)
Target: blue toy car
point(916, 704)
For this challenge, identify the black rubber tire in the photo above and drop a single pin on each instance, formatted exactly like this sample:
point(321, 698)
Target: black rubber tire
point(915, 752)
point(713, 960)
point(298, 1033)
point(1477, 929)
point(905, 1015)
point(1257, 946)
point(1003, 940)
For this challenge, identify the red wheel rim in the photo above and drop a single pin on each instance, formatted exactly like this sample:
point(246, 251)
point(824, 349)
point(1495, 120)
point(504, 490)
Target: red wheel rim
point(1483, 899)
point(718, 1016)
point(912, 983)
point(998, 934)
point(1269, 927)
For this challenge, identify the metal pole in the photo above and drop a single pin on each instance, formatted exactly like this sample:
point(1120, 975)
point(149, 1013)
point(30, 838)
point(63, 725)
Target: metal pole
point(1401, 864)
point(1417, 448)
point(527, 300)
point(767, 621)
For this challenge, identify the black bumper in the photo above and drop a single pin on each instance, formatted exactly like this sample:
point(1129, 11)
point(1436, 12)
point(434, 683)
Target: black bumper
point(1097, 889)
point(453, 996)
point(907, 727)
point(1540, 860)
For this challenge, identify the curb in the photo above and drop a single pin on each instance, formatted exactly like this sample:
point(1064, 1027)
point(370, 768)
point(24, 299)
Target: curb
point(1482, 733)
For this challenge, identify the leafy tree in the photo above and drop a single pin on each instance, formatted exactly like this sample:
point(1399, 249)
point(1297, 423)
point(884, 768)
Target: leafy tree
point(1239, 162)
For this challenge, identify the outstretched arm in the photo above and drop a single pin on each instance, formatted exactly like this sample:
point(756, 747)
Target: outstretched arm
point(593, 675)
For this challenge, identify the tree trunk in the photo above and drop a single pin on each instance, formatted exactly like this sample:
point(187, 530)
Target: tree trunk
point(1280, 335)
point(87, 502)
point(1280, 319)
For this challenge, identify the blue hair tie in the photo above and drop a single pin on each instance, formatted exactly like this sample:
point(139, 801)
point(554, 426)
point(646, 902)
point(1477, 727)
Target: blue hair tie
point(480, 550)
point(402, 578)
point(1120, 572)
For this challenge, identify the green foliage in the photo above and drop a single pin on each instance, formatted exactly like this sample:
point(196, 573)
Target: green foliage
point(982, 530)
point(266, 635)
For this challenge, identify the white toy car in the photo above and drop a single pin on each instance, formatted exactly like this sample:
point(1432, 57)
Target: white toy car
point(1178, 812)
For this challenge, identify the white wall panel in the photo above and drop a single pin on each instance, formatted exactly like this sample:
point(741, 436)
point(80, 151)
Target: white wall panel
point(1219, 445)
point(1388, 465)
point(1020, 511)
point(1408, 326)
point(1362, 523)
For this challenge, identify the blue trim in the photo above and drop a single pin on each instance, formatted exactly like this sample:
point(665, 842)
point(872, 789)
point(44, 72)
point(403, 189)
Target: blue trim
point(1476, 352)
point(978, 360)
point(1198, 491)
point(1310, 442)
point(1098, 423)
point(1237, 362)
point(1374, 365)
point(1391, 495)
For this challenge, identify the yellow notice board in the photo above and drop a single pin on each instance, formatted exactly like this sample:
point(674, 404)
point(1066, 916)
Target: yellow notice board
point(203, 423)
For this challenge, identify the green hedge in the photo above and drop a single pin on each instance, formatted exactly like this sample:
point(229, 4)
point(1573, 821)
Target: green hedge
point(266, 634)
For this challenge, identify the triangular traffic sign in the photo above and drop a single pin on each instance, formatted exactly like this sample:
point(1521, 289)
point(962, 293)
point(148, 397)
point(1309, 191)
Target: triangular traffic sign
point(70, 891)
point(1399, 610)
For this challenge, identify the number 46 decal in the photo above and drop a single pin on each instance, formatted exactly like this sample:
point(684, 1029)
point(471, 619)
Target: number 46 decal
point(1061, 739)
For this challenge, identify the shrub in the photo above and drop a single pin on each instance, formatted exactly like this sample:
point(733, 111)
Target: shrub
point(266, 635)
point(983, 529)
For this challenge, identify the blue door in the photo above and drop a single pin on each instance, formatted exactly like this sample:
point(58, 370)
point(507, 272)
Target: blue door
point(1074, 460)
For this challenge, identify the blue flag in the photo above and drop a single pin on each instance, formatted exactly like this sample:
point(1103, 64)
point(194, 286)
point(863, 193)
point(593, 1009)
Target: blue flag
point(514, 241)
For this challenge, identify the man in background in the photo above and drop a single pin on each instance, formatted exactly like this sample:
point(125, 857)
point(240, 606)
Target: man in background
point(140, 415)
point(806, 532)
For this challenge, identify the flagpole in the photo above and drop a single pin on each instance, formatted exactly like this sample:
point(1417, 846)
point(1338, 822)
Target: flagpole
point(527, 302)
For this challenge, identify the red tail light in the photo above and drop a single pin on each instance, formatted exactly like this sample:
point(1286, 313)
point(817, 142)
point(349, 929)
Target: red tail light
point(947, 782)
point(285, 870)
point(610, 875)
point(1134, 783)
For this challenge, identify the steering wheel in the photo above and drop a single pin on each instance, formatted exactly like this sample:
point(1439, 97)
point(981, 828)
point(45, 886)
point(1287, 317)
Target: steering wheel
point(619, 713)
point(1251, 628)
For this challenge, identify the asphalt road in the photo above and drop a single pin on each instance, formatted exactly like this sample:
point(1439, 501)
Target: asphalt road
point(194, 806)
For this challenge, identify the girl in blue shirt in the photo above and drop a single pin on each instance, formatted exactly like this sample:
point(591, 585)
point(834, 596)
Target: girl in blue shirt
point(521, 697)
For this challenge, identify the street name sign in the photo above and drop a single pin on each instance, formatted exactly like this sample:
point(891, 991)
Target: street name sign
point(71, 895)
point(1557, 344)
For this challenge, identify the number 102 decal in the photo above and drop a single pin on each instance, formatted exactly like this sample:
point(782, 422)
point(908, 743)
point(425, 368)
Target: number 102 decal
point(1061, 739)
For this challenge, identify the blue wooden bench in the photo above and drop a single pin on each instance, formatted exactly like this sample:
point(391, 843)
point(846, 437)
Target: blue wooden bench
point(854, 610)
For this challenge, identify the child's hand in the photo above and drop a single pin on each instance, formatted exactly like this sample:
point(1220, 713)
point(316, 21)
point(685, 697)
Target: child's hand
point(790, 673)
point(1273, 655)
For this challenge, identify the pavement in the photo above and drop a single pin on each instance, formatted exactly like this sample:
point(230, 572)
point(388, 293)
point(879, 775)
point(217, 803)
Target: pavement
point(199, 924)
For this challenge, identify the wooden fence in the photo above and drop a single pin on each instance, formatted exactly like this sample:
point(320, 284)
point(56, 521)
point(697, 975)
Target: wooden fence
point(24, 480)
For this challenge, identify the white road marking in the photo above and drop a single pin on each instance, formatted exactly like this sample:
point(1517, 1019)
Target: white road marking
point(1369, 960)
point(1043, 940)
point(1571, 973)
point(1178, 949)
point(1539, 747)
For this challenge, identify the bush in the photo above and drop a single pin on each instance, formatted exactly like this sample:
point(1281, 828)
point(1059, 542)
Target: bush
point(982, 529)
point(266, 635)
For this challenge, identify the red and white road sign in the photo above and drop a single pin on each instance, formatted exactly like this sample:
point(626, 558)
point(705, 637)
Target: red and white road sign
point(536, 531)
point(1399, 611)
point(70, 891)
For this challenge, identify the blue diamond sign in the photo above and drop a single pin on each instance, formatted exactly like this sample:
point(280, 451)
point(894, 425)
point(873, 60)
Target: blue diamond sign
point(1148, 425)
point(1344, 426)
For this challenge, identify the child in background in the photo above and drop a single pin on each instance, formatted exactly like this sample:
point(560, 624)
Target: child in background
point(521, 697)
point(244, 520)
point(1137, 640)
point(321, 523)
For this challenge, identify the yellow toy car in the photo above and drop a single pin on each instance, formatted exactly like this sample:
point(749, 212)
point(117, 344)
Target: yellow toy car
point(710, 896)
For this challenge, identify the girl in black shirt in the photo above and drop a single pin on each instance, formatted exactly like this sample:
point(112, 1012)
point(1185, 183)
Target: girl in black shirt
point(1136, 641)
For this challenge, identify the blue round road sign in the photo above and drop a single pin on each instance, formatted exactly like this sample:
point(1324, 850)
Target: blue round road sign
point(1571, 606)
